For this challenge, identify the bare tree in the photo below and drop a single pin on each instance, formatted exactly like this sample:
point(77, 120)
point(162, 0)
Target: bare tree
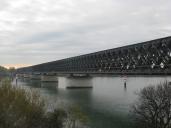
point(153, 108)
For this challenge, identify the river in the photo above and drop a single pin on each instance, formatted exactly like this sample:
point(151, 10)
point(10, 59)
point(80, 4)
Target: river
point(107, 104)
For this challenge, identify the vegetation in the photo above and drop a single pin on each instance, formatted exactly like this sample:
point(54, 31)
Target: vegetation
point(22, 109)
point(76, 118)
point(11, 69)
point(153, 108)
point(3, 70)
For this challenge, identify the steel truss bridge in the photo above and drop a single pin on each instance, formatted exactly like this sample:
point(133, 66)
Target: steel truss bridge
point(147, 58)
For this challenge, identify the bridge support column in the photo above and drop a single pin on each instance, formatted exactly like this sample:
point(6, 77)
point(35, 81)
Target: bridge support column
point(77, 75)
point(73, 83)
point(49, 78)
point(35, 76)
point(26, 75)
point(19, 75)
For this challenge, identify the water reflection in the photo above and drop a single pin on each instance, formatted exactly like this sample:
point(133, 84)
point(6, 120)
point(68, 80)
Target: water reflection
point(78, 82)
point(125, 87)
point(49, 85)
point(107, 104)
point(35, 83)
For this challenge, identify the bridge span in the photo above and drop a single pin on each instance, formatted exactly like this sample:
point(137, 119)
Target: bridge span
point(146, 58)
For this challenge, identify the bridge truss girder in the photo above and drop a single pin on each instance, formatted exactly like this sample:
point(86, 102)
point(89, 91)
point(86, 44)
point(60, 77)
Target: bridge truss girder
point(152, 57)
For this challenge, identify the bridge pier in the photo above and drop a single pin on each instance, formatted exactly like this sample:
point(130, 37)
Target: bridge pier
point(73, 83)
point(20, 75)
point(49, 78)
point(35, 76)
point(78, 75)
point(26, 75)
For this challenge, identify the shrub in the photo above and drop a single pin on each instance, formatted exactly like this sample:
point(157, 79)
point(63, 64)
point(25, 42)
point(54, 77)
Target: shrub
point(76, 118)
point(55, 119)
point(18, 108)
point(153, 108)
point(22, 109)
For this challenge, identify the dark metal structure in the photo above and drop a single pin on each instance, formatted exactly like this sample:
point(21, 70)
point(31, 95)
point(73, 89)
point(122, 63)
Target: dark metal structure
point(151, 57)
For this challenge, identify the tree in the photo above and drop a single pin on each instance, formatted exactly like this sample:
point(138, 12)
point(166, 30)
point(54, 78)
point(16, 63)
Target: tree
point(3, 70)
point(153, 108)
point(26, 109)
point(20, 108)
point(11, 69)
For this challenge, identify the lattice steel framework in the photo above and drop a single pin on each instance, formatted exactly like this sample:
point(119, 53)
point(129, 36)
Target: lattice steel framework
point(151, 57)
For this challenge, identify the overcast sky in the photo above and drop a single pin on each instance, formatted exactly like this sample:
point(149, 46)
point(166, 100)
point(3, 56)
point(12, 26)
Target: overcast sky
point(36, 31)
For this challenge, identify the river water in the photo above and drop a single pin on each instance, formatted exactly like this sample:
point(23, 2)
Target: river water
point(107, 104)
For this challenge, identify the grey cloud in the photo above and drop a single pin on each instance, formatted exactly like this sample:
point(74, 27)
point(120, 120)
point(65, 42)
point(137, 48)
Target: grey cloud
point(4, 4)
point(55, 29)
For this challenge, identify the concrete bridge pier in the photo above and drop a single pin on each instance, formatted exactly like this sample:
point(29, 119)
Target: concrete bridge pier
point(49, 77)
point(26, 75)
point(79, 82)
point(36, 76)
point(21, 75)
point(79, 75)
